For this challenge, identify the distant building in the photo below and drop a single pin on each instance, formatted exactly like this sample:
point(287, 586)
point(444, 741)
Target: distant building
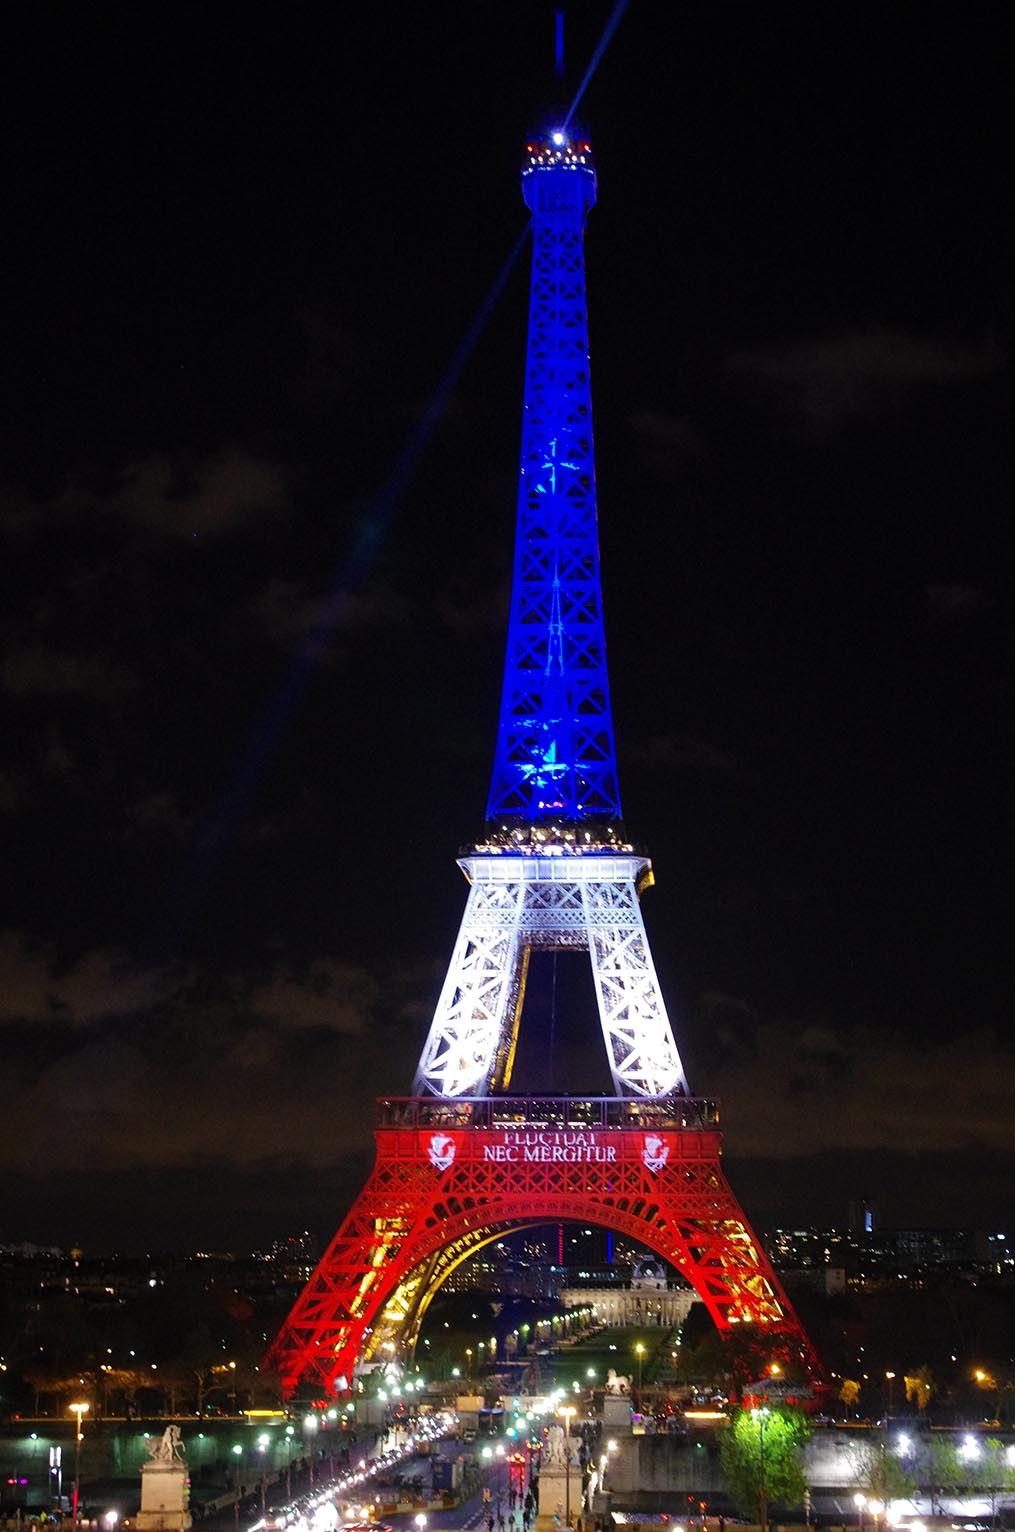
point(862, 1216)
point(654, 1295)
point(891, 1254)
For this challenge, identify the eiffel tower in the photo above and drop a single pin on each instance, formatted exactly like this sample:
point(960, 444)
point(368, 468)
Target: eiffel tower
point(462, 1160)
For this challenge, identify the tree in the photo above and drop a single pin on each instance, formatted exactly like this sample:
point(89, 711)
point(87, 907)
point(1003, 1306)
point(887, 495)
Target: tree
point(762, 1459)
point(879, 1472)
point(991, 1471)
point(919, 1387)
point(60, 1387)
point(973, 1465)
point(127, 1382)
point(942, 1470)
point(849, 1393)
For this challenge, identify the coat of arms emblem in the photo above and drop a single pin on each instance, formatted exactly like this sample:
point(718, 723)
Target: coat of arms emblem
point(441, 1150)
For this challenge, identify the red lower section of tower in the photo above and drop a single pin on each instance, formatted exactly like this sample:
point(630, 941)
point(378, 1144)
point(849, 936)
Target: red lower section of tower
point(450, 1174)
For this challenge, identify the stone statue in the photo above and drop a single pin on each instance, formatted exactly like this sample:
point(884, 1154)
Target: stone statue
point(617, 1384)
point(555, 1453)
point(169, 1448)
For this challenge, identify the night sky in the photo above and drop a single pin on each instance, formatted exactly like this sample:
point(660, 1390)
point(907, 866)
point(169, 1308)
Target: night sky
point(256, 533)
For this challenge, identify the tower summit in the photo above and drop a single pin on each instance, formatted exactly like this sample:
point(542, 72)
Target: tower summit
point(555, 763)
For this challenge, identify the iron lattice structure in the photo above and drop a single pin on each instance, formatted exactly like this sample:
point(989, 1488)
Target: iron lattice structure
point(564, 898)
point(555, 756)
point(461, 1161)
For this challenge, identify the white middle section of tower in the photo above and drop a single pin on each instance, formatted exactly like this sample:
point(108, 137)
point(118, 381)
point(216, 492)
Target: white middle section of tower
point(521, 902)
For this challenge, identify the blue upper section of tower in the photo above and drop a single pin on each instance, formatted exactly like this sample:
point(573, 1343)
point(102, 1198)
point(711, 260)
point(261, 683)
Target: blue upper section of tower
point(555, 762)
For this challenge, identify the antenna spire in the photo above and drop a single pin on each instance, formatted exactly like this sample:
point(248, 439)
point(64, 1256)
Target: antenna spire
point(558, 57)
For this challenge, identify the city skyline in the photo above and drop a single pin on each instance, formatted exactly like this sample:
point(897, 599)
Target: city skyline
point(260, 530)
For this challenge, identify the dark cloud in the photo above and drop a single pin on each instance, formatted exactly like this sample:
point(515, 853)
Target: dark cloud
point(333, 995)
point(291, 612)
point(951, 603)
point(148, 1070)
point(685, 752)
point(97, 987)
point(863, 374)
point(809, 1088)
point(41, 671)
point(666, 437)
point(216, 494)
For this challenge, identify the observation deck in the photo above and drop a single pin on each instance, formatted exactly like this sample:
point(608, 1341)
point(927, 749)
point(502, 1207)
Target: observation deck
point(557, 147)
point(557, 172)
point(599, 1113)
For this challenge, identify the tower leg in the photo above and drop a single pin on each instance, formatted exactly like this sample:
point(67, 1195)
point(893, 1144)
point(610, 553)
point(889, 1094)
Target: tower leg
point(639, 1040)
point(469, 1041)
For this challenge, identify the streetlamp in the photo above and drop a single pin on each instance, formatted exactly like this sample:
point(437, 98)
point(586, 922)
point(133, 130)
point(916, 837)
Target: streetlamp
point(640, 1352)
point(262, 1445)
point(875, 1507)
point(761, 1416)
point(859, 1501)
point(289, 1433)
point(237, 1481)
point(567, 1411)
point(889, 1379)
point(468, 1364)
point(310, 1424)
point(80, 1410)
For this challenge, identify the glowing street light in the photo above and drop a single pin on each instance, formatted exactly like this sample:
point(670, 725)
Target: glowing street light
point(859, 1501)
point(80, 1410)
point(567, 1411)
point(640, 1352)
point(290, 1431)
point(761, 1416)
point(889, 1379)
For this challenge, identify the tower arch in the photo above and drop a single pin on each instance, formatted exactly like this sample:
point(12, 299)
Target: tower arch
point(450, 1178)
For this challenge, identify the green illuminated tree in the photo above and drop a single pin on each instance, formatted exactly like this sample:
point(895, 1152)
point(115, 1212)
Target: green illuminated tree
point(762, 1460)
point(970, 1466)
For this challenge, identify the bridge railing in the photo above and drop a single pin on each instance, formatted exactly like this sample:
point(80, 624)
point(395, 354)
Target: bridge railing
point(598, 1113)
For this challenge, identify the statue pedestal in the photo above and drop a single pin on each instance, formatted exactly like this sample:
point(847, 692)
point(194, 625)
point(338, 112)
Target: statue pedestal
point(165, 1498)
point(554, 1497)
point(617, 1414)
